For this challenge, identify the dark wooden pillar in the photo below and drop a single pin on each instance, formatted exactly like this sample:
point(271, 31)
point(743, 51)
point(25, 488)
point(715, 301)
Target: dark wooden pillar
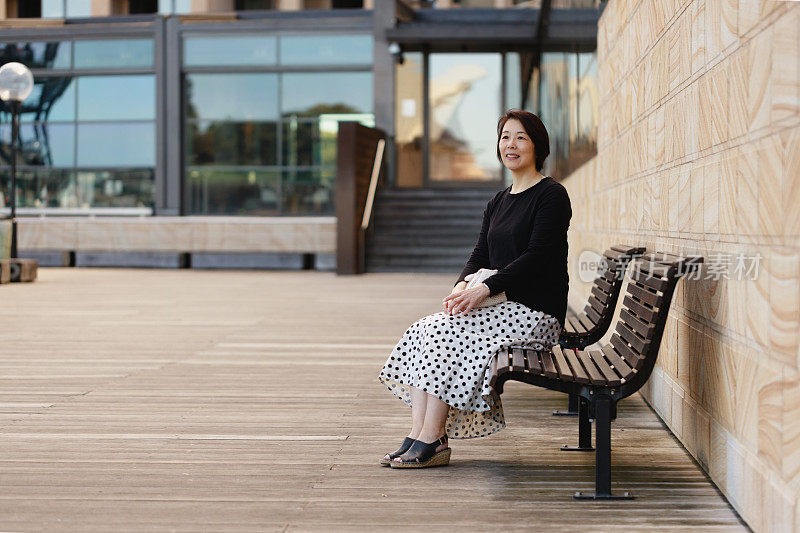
point(355, 157)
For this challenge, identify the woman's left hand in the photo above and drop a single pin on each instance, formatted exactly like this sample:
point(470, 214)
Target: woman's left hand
point(463, 301)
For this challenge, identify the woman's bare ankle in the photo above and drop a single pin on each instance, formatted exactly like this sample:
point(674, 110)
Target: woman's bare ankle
point(430, 437)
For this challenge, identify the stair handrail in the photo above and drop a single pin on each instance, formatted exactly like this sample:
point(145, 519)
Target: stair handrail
point(373, 184)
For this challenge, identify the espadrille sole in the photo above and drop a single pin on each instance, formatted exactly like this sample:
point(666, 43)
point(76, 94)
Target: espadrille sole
point(441, 458)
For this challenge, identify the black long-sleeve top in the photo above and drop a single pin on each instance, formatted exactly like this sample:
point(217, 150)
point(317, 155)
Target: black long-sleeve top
point(524, 237)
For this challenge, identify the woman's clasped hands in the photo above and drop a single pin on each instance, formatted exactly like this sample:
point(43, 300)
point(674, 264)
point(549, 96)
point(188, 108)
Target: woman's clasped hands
point(461, 301)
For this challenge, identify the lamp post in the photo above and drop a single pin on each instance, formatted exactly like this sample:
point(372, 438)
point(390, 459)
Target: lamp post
point(16, 84)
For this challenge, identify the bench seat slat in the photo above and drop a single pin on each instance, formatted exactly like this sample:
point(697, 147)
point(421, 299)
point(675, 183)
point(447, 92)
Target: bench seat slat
point(564, 371)
point(577, 327)
point(577, 368)
point(586, 322)
point(548, 366)
point(594, 373)
point(502, 361)
point(620, 365)
point(641, 310)
point(633, 359)
point(517, 359)
point(534, 366)
point(640, 291)
point(608, 373)
point(637, 324)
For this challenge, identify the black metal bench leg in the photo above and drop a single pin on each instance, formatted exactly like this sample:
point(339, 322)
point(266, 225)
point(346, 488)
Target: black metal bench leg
point(602, 467)
point(572, 407)
point(584, 429)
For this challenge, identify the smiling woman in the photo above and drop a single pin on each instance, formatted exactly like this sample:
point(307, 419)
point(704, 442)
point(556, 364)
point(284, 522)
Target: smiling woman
point(443, 365)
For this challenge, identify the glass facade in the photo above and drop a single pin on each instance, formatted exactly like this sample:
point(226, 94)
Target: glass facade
point(264, 143)
point(466, 94)
point(563, 92)
point(86, 140)
point(66, 8)
point(259, 114)
point(177, 7)
point(246, 50)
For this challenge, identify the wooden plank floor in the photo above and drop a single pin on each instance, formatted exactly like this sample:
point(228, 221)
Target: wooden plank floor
point(136, 400)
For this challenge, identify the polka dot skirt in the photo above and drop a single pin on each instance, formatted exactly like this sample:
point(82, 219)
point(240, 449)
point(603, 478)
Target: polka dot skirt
point(452, 358)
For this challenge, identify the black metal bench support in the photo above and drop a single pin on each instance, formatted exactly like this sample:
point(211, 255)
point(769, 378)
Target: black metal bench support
point(572, 407)
point(584, 428)
point(602, 485)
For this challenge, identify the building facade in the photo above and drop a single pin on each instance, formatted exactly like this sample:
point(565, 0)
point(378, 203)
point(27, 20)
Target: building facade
point(226, 112)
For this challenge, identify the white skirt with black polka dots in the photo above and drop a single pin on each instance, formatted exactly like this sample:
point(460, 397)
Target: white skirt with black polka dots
point(452, 358)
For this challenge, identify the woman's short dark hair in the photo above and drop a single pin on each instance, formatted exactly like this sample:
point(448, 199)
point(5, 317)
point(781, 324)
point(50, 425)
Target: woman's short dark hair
point(533, 127)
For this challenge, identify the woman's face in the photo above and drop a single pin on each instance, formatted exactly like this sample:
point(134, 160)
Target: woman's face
point(516, 148)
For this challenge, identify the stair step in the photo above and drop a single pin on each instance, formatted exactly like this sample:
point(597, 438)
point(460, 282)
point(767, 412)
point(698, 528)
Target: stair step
point(425, 230)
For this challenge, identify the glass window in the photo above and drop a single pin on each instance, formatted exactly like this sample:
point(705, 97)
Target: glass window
point(83, 189)
point(465, 96)
point(51, 145)
point(117, 97)
point(253, 50)
point(52, 9)
point(116, 145)
point(554, 112)
point(231, 143)
point(308, 192)
point(311, 94)
point(326, 49)
point(37, 55)
point(409, 120)
point(79, 8)
point(114, 54)
point(513, 81)
point(588, 98)
point(168, 7)
point(310, 143)
point(233, 191)
point(52, 100)
point(42, 188)
point(114, 188)
point(244, 97)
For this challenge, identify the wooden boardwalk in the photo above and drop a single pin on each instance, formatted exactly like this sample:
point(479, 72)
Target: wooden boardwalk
point(135, 400)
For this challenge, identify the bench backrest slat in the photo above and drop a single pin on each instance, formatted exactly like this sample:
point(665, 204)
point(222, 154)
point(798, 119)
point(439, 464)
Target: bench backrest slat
point(590, 326)
point(643, 316)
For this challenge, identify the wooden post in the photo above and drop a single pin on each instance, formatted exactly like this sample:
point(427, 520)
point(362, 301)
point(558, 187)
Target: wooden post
point(355, 156)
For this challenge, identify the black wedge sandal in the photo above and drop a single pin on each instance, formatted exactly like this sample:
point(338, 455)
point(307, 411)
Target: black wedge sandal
point(424, 455)
point(397, 453)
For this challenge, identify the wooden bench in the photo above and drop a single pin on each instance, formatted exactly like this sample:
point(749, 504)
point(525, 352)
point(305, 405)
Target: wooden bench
point(589, 326)
point(620, 368)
